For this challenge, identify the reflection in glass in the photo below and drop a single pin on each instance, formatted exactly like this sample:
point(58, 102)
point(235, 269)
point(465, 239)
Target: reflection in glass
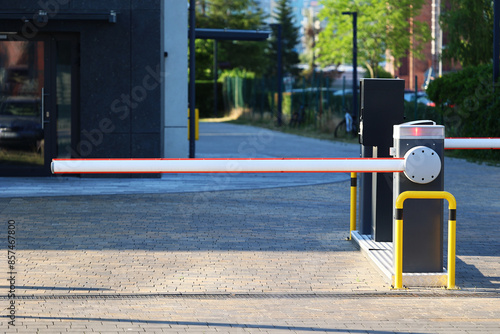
point(21, 83)
point(63, 83)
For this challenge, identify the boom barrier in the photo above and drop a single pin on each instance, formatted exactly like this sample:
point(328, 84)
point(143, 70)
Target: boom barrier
point(270, 165)
point(266, 165)
point(421, 165)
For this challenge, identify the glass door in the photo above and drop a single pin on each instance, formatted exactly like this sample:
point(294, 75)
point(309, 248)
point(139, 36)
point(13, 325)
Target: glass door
point(22, 106)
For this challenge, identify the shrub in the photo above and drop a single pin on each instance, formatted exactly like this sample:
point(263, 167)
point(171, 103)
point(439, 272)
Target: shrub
point(423, 112)
point(205, 98)
point(469, 106)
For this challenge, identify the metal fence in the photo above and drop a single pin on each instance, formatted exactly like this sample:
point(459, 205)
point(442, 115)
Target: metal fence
point(318, 101)
point(306, 101)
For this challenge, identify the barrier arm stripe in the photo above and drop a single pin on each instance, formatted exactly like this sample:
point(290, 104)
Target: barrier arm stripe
point(269, 165)
point(471, 143)
point(398, 233)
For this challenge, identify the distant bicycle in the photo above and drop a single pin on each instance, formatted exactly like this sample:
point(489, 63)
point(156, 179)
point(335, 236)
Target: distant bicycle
point(346, 128)
point(298, 117)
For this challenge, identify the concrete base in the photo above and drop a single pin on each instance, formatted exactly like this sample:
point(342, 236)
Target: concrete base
point(382, 256)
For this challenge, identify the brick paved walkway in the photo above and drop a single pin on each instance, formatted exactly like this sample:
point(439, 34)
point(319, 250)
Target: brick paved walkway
point(238, 261)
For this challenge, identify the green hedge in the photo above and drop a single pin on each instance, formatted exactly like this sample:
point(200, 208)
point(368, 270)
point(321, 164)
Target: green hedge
point(205, 98)
point(423, 112)
point(255, 94)
point(469, 106)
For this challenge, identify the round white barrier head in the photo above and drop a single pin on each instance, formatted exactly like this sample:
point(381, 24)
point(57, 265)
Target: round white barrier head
point(422, 165)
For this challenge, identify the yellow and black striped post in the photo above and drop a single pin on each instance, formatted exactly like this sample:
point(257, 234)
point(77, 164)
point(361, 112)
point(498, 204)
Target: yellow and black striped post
point(196, 124)
point(398, 247)
point(354, 184)
point(398, 233)
point(452, 244)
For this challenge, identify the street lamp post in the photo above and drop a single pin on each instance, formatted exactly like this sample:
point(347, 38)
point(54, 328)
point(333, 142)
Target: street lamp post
point(192, 77)
point(354, 63)
point(280, 72)
point(216, 78)
point(496, 41)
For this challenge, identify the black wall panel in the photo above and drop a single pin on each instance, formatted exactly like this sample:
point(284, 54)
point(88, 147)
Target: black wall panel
point(117, 61)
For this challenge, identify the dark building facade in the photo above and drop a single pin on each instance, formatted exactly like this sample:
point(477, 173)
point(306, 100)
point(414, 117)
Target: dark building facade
point(79, 79)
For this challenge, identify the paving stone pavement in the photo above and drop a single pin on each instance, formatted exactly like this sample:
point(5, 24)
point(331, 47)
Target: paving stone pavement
point(241, 260)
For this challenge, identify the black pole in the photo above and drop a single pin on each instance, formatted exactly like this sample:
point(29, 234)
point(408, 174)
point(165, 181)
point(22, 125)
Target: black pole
point(355, 65)
point(416, 95)
point(280, 75)
point(496, 40)
point(192, 78)
point(216, 78)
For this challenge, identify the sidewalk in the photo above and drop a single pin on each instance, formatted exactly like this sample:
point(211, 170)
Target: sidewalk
point(266, 255)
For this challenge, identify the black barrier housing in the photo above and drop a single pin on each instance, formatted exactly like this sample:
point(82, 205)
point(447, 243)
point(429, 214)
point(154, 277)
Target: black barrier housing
point(423, 218)
point(382, 107)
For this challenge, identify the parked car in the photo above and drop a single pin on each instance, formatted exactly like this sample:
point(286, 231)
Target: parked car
point(410, 95)
point(421, 98)
point(347, 91)
point(20, 122)
point(426, 101)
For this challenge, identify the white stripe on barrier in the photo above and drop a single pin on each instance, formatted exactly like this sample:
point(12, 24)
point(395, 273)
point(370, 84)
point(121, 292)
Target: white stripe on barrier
point(472, 143)
point(285, 165)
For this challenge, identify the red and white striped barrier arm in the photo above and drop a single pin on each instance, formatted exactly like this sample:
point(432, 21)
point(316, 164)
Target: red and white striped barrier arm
point(271, 165)
point(471, 143)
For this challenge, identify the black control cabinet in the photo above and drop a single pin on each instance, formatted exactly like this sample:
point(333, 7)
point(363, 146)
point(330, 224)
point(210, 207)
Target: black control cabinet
point(382, 107)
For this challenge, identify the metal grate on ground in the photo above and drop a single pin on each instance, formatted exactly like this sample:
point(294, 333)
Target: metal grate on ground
point(354, 295)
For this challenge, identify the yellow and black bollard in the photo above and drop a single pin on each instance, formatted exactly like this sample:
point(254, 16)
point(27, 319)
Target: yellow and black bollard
point(354, 184)
point(398, 233)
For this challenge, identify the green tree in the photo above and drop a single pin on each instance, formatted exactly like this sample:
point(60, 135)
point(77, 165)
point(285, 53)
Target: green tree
point(290, 38)
point(382, 25)
point(469, 24)
point(312, 28)
point(230, 14)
